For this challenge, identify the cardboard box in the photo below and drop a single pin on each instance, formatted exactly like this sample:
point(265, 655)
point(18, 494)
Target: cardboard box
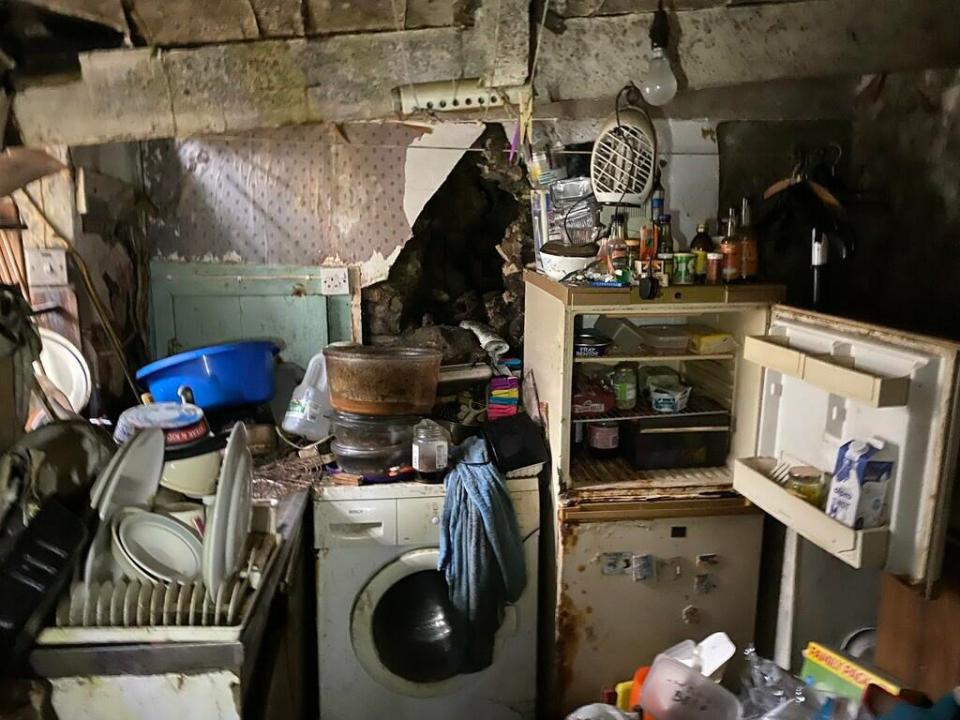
point(838, 673)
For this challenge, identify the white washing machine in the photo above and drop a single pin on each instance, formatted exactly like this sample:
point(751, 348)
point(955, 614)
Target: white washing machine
point(389, 642)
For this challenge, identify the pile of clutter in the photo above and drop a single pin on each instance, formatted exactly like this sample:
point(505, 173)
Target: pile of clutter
point(683, 683)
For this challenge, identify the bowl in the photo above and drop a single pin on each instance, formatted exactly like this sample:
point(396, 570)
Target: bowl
point(372, 462)
point(220, 376)
point(557, 267)
point(382, 380)
point(192, 474)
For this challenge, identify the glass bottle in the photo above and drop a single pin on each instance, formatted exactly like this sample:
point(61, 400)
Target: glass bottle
point(701, 246)
point(657, 198)
point(617, 255)
point(730, 248)
point(625, 386)
point(666, 236)
point(431, 444)
point(747, 237)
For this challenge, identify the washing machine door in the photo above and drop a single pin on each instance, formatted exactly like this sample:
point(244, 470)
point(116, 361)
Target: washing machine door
point(405, 631)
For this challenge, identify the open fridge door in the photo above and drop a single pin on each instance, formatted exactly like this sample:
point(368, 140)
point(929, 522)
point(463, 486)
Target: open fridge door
point(829, 381)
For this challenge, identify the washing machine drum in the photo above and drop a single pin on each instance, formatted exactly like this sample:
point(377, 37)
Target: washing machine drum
point(405, 631)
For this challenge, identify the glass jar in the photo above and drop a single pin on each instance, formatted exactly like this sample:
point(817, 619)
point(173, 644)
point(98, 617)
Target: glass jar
point(714, 262)
point(625, 386)
point(603, 439)
point(617, 251)
point(431, 444)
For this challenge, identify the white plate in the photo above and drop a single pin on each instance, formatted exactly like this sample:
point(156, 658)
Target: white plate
point(197, 595)
point(143, 604)
point(156, 604)
point(78, 592)
point(163, 547)
point(206, 611)
point(234, 608)
point(90, 606)
point(182, 610)
point(66, 367)
point(99, 564)
point(170, 603)
point(121, 560)
point(215, 561)
point(130, 603)
point(104, 596)
point(238, 519)
point(222, 602)
point(116, 603)
point(135, 476)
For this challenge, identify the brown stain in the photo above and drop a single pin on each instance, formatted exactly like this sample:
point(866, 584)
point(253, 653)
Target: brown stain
point(569, 624)
point(581, 568)
point(591, 635)
point(708, 133)
point(588, 610)
point(568, 535)
point(298, 290)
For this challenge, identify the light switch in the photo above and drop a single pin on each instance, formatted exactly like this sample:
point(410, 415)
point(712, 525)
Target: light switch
point(46, 266)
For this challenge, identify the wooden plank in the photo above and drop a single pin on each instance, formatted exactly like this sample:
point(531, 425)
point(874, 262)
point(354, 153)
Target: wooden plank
point(185, 22)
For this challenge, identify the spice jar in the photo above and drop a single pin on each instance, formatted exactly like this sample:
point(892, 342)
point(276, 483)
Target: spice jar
point(603, 439)
point(431, 444)
point(714, 261)
point(625, 387)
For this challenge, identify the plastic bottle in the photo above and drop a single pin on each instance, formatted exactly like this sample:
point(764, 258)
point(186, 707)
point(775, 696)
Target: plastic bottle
point(701, 246)
point(310, 403)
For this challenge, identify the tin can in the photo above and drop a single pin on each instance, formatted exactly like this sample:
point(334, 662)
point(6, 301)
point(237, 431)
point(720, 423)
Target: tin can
point(683, 268)
point(714, 261)
point(603, 438)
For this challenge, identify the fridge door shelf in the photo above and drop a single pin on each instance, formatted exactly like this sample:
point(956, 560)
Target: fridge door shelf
point(827, 372)
point(858, 548)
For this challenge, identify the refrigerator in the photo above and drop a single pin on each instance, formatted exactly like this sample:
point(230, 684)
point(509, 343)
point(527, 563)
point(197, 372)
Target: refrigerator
point(638, 560)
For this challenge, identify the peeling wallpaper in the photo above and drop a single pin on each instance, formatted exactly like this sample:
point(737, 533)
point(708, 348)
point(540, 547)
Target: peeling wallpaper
point(299, 195)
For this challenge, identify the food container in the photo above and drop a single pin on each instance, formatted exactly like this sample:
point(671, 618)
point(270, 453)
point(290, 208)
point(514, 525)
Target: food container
point(665, 337)
point(591, 344)
point(677, 441)
point(193, 470)
point(660, 375)
point(683, 268)
point(673, 691)
point(714, 261)
point(371, 462)
point(220, 376)
point(603, 439)
point(372, 431)
point(182, 423)
point(382, 380)
point(669, 398)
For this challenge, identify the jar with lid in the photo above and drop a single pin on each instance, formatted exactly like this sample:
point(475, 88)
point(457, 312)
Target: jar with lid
point(714, 261)
point(431, 444)
point(603, 439)
point(624, 382)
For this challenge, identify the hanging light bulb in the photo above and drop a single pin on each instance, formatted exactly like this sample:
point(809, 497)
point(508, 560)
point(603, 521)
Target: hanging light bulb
point(660, 84)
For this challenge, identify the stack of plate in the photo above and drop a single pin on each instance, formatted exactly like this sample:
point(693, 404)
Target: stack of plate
point(151, 547)
point(130, 603)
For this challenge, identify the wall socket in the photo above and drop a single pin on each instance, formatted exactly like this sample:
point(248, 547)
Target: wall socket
point(46, 266)
point(334, 281)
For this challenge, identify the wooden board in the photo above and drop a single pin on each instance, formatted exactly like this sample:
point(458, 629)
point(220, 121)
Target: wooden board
point(195, 304)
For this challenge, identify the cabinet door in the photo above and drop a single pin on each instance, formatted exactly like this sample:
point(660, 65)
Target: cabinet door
point(827, 381)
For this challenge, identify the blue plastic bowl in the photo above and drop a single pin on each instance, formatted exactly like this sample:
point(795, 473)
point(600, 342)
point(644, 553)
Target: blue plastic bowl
point(220, 376)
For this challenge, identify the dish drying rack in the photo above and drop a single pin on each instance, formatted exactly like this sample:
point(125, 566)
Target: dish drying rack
point(130, 611)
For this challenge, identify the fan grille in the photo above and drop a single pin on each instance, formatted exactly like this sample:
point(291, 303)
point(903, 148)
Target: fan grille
point(623, 161)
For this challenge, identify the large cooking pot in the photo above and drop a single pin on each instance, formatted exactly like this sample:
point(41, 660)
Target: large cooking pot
point(382, 380)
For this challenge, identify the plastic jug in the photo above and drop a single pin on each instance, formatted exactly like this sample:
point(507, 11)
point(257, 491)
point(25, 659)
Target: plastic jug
point(673, 691)
point(309, 406)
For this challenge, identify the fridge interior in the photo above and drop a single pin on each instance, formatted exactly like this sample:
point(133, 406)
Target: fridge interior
point(724, 402)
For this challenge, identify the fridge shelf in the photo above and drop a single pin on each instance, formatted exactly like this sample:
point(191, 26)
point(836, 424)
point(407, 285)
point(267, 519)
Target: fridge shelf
point(651, 355)
point(696, 406)
point(616, 479)
point(826, 372)
point(857, 548)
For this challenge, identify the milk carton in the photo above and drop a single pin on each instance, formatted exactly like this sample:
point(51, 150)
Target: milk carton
point(858, 490)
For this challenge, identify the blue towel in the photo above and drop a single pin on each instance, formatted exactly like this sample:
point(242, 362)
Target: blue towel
point(481, 551)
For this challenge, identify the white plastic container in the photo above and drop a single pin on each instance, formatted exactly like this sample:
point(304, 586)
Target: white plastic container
point(309, 406)
point(673, 691)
